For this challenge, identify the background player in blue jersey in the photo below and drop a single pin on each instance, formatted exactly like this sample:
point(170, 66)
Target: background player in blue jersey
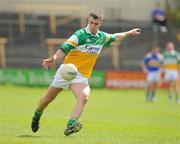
point(151, 65)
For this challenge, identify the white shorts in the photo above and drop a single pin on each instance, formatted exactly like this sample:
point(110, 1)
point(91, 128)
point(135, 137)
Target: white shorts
point(171, 75)
point(59, 82)
point(154, 76)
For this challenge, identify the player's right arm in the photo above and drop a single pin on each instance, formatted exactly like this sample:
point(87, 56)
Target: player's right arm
point(145, 62)
point(57, 56)
point(143, 67)
point(64, 49)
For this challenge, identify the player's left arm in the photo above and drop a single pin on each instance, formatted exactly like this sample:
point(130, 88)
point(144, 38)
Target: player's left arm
point(143, 67)
point(178, 62)
point(123, 35)
point(161, 62)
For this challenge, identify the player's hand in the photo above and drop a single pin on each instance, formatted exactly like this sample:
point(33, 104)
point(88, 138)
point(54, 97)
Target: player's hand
point(145, 70)
point(136, 31)
point(47, 62)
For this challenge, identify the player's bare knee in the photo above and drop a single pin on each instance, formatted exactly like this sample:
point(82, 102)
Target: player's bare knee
point(84, 99)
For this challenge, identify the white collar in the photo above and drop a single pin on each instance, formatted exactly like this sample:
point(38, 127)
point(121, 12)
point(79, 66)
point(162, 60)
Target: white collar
point(89, 32)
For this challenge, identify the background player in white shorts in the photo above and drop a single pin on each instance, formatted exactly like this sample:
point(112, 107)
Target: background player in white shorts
point(151, 65)
point(82, 50)
point(171, 66)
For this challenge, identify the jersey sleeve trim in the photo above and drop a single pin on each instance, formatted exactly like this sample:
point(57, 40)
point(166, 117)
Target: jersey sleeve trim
point(107, 38)
point(66, 48)
point(71, 43)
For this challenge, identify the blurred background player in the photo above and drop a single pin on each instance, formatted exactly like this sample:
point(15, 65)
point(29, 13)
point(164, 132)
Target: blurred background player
point(151, 65)
point(82, 50)
point(171, 66)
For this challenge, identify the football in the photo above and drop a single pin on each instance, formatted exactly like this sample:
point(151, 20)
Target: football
point(68, 71)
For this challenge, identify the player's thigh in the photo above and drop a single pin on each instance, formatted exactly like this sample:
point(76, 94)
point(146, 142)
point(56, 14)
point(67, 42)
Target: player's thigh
point(81, 90)
point(150, 77)
point(171, 75)
point(175, 83)
point(167, 76)
point(176, 76)
point(151, 84)
point(52, 92)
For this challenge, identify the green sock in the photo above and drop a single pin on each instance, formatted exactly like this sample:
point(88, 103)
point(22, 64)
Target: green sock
point(177, 97)
point(170, 95)
point(152, 95)
point(148, 95)
point(37, 115)
point(71, 121)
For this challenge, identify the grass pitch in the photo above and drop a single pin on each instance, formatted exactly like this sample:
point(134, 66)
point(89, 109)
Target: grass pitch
point(110, 117)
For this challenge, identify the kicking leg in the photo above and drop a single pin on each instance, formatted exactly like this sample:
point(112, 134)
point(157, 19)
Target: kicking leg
point(81, 91)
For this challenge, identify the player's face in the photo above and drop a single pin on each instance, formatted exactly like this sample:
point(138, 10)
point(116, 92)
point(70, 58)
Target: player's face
point(94, 24)
point(170, 47)
point(156, 50)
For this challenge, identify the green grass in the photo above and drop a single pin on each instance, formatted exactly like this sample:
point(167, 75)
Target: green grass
point(110, 117)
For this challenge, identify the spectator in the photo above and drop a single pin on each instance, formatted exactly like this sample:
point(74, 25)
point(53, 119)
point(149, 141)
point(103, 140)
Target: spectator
point(159, 17)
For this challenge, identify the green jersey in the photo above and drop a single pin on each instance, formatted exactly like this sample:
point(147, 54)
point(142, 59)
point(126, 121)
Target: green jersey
point(83, 48)
point(171, 60)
